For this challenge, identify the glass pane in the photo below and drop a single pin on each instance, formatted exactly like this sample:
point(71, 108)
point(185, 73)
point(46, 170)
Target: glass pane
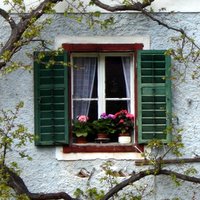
point(85, 86)
point(80, 108)
point(115, 80)
point(85, 77)
point(115, 106)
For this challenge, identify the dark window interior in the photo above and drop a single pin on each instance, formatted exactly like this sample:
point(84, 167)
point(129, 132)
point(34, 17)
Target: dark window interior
point(115, 84)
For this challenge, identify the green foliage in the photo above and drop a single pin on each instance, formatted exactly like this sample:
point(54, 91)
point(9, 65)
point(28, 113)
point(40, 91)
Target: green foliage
point(39, 57)
point(12, 134)
point(79, 134)
point(81, 126)
point(89, 194)
point(6, 56)
point(104, 126)
point(30, 33)
point(14, 66)
point(146, 1)
point(92, 193)
point(33, 29)
point(108, 181)
point(77, 10)
point(13, 137)
point(16, 5)
point(5, 191)
point(22, 197)
point(176, 145)
point(175, 180)
point(155, 143)
point(157, 150)
point(190, 171)
point(110, 178)
point(186, 52)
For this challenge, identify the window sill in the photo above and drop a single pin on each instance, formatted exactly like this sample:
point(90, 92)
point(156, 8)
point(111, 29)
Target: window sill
point(91, 151)
point(103, 147)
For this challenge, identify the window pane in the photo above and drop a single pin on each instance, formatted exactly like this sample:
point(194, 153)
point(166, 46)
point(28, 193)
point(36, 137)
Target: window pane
point(84, 86)
point(115, 106)
point(93, 111)
point(88, 108)
point(85, 77)
point(115, 79)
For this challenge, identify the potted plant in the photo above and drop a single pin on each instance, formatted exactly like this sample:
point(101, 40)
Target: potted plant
point(81, 128)
point(124, 123)
point(104, 126)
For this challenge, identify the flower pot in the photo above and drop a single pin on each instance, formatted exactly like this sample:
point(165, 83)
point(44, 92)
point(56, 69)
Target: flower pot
point(81, 140)
point(124, 138)
point(102, 135)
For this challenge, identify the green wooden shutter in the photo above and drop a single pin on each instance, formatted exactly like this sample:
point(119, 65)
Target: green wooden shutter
point(51, 99)
point(154, 95)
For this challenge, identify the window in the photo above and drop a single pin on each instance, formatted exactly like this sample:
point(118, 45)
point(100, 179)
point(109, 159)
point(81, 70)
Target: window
point(143, 88)
point(102, 83)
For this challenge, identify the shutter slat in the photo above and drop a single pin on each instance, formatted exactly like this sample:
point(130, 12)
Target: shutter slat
point(51, 100)
point(154, 95)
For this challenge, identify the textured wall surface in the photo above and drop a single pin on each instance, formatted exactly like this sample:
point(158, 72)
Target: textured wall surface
point(45, 173)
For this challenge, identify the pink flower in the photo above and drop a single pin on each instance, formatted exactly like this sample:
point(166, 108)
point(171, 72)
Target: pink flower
point(107, 116)
point(111, 116)
point(121, 121)
point(124, 112)
point(82, 118)
point(124, 121)
point(130, 116)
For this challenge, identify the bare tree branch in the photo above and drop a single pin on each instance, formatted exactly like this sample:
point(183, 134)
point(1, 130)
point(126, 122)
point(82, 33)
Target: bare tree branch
point(180, 30)
point(18, 185)
point(18, 30)
point(142, 174)
point(180, 176)
point(123, 184)
point(8, 18)
point(137, 6)
point(49, 196)
point(168, 161)
point(162, 23)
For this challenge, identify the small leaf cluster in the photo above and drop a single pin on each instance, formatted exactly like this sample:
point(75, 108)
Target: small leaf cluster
point(12, 133)
point(110, 180)
point(13, 137)
point(186, 52)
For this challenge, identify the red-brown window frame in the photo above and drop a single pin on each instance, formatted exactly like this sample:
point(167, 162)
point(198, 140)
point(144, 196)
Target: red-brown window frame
point(72, 48)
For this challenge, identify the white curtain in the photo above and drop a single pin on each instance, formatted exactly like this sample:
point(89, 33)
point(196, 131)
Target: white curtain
point(127, 72)
point(83, 82)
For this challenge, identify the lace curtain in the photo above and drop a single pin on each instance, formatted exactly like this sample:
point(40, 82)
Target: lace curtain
point(127, 73)
point(83, 81)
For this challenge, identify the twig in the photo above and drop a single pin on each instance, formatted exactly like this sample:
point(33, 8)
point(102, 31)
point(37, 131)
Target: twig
point(168, 161)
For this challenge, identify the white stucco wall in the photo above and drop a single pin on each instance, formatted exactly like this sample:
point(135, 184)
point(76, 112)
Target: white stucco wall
point(45, 173)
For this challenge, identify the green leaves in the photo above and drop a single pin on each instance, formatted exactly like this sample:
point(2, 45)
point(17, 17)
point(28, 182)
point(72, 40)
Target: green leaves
point(16, 5)
point(13, 136)
point(186, 51)
point(6, 56)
